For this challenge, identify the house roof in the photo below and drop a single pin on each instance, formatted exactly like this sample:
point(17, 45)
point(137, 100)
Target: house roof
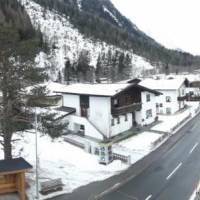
point(18, 164)
point(59, 112)
point(106, 90)
point(162, 84)
point(93, 89)
point(65, 111)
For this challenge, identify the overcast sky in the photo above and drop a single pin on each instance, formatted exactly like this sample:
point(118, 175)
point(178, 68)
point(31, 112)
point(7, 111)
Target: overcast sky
point(173, 23)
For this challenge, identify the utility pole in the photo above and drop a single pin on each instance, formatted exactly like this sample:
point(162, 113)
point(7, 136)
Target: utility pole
point(36, 156)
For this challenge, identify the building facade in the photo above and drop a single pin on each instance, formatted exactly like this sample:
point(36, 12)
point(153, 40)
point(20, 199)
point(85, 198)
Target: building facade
point(173, 94)
point(104, 111)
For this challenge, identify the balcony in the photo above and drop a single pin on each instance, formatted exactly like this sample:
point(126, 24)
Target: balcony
point(183, 98)
point(126, 109)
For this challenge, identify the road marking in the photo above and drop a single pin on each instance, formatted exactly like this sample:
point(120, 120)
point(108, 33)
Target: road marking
point(126, 195)
point(149, 197)
point(194, 147)
point(173, 172)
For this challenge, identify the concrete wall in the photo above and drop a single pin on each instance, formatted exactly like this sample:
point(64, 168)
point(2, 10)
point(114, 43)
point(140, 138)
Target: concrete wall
point(122, 126)
point(140, 116)
point(99, 113)
point(90, 130)
point(72, 101)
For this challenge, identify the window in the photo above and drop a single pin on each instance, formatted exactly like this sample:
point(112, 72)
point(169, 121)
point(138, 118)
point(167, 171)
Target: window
point(161, 105)
point(118, 120)
point(126, 117)
point(112, 122)
point(148, 114)
point(148, 97)
point(96, 151)
point(157, 105)
point(116, 102)
point(168, 99)
point(168, 111)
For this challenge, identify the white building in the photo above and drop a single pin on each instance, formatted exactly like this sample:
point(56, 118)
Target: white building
point(174, 94)
point(106, 110)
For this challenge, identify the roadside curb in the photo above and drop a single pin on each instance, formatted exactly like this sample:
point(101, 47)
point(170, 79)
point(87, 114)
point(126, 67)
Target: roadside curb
point(196, 193)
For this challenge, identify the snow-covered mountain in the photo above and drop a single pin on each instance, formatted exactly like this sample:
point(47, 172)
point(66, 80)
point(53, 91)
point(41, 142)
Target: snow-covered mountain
point(66, 42)
point(97, 28)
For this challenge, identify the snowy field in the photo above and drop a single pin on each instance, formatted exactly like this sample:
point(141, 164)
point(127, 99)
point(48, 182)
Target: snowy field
point(58, 159)
point(170, 121)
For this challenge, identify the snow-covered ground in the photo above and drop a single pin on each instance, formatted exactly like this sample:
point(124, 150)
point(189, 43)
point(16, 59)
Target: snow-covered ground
point(137, 146)
point(170, 121)
point(69, 42)
point(141, 142)
point(59, 159)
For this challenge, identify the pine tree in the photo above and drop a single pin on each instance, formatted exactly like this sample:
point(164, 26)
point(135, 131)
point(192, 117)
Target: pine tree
point(67, 71)
point(59, 78)
point(18, 47)
point(98, 71)
point(83, 65)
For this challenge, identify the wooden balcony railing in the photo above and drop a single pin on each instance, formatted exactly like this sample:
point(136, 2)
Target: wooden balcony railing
point(126, 109)
point(183, 98)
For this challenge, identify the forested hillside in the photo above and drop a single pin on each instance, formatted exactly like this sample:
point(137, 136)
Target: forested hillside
point(17, 35)
point(101, 20)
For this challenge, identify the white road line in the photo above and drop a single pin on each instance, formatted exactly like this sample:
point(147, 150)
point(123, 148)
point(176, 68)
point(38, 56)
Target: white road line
point(172, 173)
point(194, 147)
point(149, 197)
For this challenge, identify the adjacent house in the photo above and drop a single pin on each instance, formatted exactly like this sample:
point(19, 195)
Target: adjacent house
point(174, 94)
point(106, 110)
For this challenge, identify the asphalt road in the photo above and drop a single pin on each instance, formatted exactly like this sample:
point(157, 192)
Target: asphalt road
point(172, 177)
point(171, 172)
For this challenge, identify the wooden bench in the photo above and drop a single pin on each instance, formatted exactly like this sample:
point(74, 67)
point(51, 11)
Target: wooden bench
point(51, 186)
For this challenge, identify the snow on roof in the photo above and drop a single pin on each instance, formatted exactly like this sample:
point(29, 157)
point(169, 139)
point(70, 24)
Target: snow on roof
point(190, 77)
point(59, 112)
point(92, 89)
point(162, 84)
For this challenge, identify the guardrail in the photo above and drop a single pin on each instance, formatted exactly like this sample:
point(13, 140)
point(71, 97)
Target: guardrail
point(159, 140)
point(125, 159)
